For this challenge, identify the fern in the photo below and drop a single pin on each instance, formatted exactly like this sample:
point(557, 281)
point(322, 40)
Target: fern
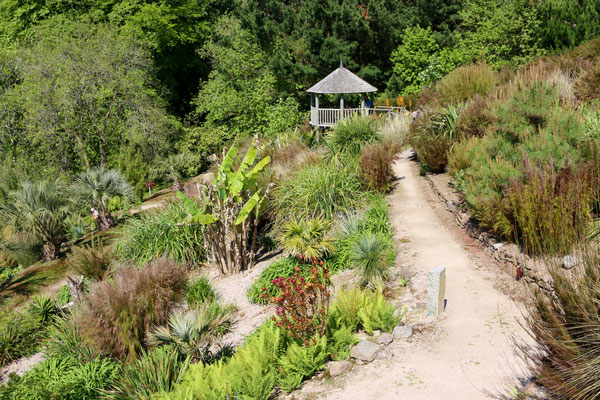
point(300, 362)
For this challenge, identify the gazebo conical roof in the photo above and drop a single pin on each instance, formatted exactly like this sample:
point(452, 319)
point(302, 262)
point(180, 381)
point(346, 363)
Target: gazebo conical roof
point(342, 81)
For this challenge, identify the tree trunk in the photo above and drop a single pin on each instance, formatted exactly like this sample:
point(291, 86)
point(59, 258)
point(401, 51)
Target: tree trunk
point(76, 286)
point(49, 252)
point(105, 221)
point(177, 186)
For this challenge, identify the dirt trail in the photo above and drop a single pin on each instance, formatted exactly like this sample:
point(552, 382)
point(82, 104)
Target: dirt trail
point(470, 351)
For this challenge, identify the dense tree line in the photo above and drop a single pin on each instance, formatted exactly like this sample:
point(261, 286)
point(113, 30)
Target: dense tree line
point(124, 83)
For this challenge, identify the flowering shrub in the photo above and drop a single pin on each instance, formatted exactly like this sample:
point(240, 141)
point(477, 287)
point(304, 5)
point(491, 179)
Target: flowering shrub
point(301, 307)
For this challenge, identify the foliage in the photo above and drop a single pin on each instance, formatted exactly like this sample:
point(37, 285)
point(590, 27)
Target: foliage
point(301, 306)
point(316, 191)
point(63, 297)
point(300, 362)
point(193, 332)
point(230, 210)
point(39, 209)
point(556, 33)
point(376, 165)
point(199, 292)
point(117, 313)
point(351, 134)
point(464, 83)
point(431, 137)
point(307, 238)
point(96, 187)
point(65, 341)
point(20, 336)
point(564, 328)
point(43, 308)
point(174, 168)
point(262, 290)
point(157, 234)
point(156, 371)
point(372, 255)
point(64, 379)
point(93, 262)
point(356, 308)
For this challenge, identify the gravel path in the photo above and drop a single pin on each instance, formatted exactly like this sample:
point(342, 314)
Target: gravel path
point(468, 352)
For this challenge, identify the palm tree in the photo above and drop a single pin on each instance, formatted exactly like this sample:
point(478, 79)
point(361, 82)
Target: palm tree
point(96, 187)
point(193, 332)
point(307, 238)
point(39, 209)
point(174, 168)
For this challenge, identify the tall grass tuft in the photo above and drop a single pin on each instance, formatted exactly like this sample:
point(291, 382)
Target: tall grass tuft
point(117, 313)
point(372, 255)
point(376, 165)
point(316, 191)
point(160, 234)
point(466, 82)
point(351, 134)
point(91, 261)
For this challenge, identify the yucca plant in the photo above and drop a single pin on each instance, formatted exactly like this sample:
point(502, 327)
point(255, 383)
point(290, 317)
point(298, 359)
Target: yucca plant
point(95, 188)
point(193, 332)
point(372, 255)
point(43, 308)
point(39, 209)
point(307, 238)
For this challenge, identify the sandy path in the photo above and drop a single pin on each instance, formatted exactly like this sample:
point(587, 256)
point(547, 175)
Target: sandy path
point(469, 352)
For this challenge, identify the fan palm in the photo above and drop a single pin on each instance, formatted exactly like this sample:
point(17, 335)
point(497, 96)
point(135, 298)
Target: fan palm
point(174, 168)
point(307, 238)
point(192, 332)
point(96, 187)
point(39, 209)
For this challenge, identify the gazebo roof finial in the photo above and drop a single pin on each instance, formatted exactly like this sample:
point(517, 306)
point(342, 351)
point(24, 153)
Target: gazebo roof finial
point(341, 62)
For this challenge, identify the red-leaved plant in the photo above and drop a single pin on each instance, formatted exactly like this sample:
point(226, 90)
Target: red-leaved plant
point(301, 306)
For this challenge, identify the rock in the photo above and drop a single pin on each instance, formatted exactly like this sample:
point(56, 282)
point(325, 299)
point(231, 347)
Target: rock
point(542, 393)
point(376, 333)
point(384, 338)
point(337, 368)
point(402, 332)
point(497, 246)
point(365, 350)
point(436, 292)
point(569, 262)
point(382, 355)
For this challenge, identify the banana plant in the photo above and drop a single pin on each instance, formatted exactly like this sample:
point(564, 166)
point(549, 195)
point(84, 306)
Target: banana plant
point(229, 204)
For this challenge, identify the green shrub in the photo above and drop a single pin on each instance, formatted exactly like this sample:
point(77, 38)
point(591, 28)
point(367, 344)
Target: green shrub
point(65, 341)
point(351, 134)
point(316, 191)
point(161, 234)
point(153, 372)
point(372, 255)
point(356, 308)
point(201, 381)
point(341, 338)
point(118, 313)
point(431, 137)
point(200, 292)
point(283, 267)
point(20, 336)
point(300, 362)
point(464, 83)
point(307, 238)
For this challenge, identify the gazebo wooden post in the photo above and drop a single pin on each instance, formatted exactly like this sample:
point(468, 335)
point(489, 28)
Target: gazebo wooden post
point(341, 107)
point(317, 113)
point(362, 104)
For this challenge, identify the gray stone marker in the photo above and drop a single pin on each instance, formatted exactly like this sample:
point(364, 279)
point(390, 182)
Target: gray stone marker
point(436, 292)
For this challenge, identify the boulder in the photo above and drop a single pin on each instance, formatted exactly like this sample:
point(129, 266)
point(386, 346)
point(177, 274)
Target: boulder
point(365, 350)
point(337, 368)
point(569, 262)
point(384, 338)
point(402, 332)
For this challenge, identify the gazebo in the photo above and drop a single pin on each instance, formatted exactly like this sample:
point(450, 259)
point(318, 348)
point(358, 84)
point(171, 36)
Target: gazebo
point(341, 81)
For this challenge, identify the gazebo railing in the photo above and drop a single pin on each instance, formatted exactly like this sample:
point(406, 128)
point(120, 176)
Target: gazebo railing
point(326, 117)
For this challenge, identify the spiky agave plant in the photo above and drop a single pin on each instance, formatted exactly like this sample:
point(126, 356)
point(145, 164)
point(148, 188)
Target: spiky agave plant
point(193, 332)
point(95, 188)
point(307, 238)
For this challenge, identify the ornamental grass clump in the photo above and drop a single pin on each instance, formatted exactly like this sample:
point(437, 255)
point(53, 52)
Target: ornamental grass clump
point(565, 329)
point(351, 134)
point(117, 313)
point(376, 165)
point(301, 306)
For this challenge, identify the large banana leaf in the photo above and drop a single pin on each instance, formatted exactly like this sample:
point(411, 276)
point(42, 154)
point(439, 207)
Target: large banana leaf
point(247, 208)
point(191, 206)
point(203, 219)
